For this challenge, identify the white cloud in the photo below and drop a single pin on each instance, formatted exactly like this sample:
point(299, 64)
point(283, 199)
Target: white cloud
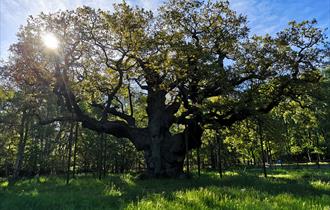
point(271, 16)
point(260, 14)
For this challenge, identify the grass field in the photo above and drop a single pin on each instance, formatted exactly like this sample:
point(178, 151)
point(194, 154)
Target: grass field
point(284, 189)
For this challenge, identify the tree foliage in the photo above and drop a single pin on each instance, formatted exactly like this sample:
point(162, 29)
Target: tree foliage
point(136, 75)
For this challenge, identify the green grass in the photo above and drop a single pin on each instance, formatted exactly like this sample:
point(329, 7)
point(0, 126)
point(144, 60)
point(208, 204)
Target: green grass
point(284, 189)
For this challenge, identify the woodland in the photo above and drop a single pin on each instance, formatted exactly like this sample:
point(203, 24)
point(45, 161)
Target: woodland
point(166, 96)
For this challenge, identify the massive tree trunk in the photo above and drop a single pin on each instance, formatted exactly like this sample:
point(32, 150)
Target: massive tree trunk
point(165, 156)
point(165, 152)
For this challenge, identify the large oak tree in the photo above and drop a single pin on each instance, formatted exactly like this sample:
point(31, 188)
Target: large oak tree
point(158, 79)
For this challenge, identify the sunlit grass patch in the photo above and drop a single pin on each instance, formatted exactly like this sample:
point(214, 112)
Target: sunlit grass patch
point(4, 184)
point(318, 184)
point(34, 192)
point(283, 189)
point(289, 201)
point(42, 179)
point(231, 173)
point(128, 179)
point(112, 190)
point(283, 176)
point(203, 198)
point(31, 192)
point(153, 202)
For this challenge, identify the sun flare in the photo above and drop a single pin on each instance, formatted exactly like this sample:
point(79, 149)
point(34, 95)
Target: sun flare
point(50, 40)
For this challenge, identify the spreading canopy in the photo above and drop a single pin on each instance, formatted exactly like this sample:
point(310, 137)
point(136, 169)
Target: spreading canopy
point(135, 74)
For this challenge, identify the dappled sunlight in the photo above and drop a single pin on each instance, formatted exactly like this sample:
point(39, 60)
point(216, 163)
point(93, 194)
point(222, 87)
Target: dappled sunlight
point(284, 176)
point(156, 201)
point(112, 190)
point(318, 184)
point(33, 193)
point(4, 184)
point(237, 190)
point(225, 198)
point(216, 174)
point(42, 179)
point(231, 173)
point(198, 197)
point(240, 192)
point(128, 179)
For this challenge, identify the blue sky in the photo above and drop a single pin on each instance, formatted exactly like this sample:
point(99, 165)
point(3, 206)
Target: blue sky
point(265, 16)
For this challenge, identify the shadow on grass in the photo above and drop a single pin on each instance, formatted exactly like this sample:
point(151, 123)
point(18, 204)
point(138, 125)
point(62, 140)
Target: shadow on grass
point(117, 192)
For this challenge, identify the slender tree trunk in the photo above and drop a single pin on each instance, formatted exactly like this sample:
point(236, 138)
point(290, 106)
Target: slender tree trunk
point(105, 169)
point(187, 153)
point(69, 153)
point(123, 157)
point(311, 143)
point(42, 154)
point(253, 157)
point(262, 149)
point(21, 146)
point(309, 156)
point(63, 166)
point(263, 158)
point(269, 153)
point(57, 140)
point(99, 161)
point(75, 150)
point(198, 162)
point(47, 153)
point(318, 154)
point(212, 156)
point(219, 155)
